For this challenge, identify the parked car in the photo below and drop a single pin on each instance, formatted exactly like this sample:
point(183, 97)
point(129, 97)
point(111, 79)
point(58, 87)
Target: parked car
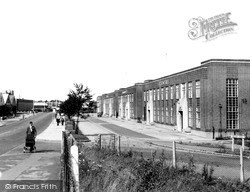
point(99, 114)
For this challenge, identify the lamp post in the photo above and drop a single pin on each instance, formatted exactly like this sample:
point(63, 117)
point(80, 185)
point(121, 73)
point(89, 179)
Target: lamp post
point(220, 129)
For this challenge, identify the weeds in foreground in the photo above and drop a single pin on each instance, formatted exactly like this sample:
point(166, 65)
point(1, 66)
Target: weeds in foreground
point(104, 170)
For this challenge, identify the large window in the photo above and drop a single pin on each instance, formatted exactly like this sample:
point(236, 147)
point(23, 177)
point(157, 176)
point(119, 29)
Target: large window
point(183, 90)
point(198, 113)
point(158, 94)
point(190, 90)
point(190, 112)
point(154, 94)
point(154, 108)
point(167, 114)
point(166, 93)
point(232, 104)
point(162, 91)
point(171, 92)
point(197, 89)
point(172, 115)
point(190, 105)
point(131, 100)
point(177, 91)
point(198, 106)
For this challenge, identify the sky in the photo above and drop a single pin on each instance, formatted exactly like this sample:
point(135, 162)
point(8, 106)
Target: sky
point(47, 46)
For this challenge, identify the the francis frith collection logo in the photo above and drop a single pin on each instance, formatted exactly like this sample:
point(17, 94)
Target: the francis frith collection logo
point(212, 27)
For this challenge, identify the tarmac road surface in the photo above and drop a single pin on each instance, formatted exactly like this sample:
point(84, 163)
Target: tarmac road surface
point(14, 132)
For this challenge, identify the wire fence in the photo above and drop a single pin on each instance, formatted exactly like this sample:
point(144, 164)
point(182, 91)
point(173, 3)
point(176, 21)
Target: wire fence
point(177, 153)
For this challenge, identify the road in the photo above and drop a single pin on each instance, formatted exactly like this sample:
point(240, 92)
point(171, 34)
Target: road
point(13, 134)
point(224, 166)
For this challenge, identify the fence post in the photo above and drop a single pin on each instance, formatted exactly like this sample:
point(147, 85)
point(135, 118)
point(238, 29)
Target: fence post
point(62, 143)
point(119, 145)
point(114, 142)
point(241, 166)
point(174, 154)
point(75, 166)
point(232, 143)
point(243, 144)
point(100, 141)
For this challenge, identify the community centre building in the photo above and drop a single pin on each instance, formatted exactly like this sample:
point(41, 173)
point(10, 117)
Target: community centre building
point(212, 99)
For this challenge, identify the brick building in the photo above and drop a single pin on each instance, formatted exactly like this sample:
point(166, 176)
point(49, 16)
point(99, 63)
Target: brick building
point(213, 97)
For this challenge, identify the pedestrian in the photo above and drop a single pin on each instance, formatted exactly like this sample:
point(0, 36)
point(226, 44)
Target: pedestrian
point(58, 117)
point(62, 119)
point(30, 137)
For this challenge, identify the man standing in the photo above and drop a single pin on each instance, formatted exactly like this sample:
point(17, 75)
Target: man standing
point(58, 117)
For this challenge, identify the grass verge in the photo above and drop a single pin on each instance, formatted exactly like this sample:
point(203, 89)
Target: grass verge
point(103, 170)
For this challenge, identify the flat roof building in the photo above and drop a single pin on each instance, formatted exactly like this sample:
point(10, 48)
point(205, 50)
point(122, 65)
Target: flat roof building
point(212, 99)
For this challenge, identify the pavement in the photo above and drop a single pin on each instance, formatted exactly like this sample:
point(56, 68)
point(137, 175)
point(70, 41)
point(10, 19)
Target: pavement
point(157, 136)
point(43, 165)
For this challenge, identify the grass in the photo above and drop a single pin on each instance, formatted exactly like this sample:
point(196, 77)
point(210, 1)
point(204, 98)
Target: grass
point(103, 170)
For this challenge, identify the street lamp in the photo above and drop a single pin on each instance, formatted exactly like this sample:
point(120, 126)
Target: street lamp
point(220, 129)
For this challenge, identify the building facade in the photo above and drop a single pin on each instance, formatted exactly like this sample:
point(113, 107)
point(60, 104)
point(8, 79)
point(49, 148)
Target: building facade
point(212, 99)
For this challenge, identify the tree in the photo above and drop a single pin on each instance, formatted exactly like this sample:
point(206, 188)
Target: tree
point(78, 99)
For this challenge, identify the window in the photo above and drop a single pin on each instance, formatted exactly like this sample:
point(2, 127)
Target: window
point(172, 115)
point(158, 94)
point(144, 95)
point(167, 114)
point(198, 113)
point(232, 107)
point(154, 94)
point(162, 114)
point(158, 113)
point(166, 93)
point(154, 108)
point(183, 90)
point(177, 91)
point(162, 91)
point(190, 112)
point(171, 92)
point(190, 90)
point(197, 89)
point(131, 110)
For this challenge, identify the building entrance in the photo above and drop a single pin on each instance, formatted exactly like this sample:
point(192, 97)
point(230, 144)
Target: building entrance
point(181, 120)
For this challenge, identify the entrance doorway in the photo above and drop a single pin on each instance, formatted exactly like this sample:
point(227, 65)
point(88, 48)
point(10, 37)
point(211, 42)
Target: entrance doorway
point(181, 120)
point(148, 117)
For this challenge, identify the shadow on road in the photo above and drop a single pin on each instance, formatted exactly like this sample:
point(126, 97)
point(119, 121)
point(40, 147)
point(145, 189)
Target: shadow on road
point(46, 151)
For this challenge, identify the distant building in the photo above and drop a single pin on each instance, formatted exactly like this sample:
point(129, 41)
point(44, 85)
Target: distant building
point(211, 99)
point(40, 106)
point(7, 99)
point(54, 104)
point(25, 105)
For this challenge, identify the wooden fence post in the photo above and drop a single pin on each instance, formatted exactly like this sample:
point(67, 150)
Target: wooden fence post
point(241, 166)
point(119, 145)
point(100, 141)
point(174, 154)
